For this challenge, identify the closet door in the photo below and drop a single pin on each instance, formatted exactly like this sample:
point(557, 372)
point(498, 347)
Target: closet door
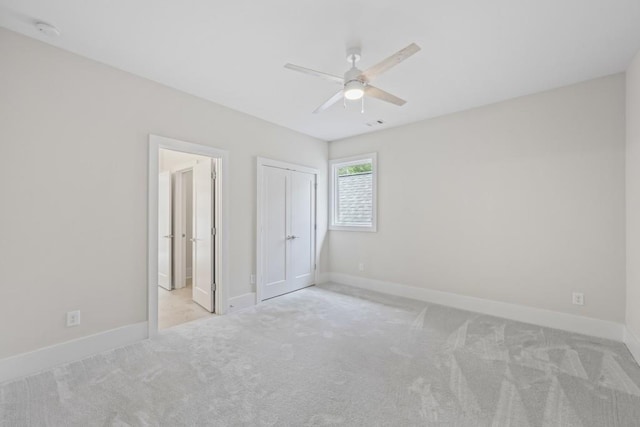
point(275, 250)
point(302, 238)
point(288, 211)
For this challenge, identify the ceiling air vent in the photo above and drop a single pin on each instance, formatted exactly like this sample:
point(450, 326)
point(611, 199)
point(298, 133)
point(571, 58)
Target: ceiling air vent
point(375, 123)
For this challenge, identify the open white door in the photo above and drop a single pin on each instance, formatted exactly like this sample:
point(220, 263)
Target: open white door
point(164, 231)
point(203, 234)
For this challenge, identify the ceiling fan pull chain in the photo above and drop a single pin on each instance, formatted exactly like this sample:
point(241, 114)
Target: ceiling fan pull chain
point(344, 102)
point(362, 105)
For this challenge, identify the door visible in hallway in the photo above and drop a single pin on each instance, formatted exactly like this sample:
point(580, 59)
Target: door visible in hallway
point(288, 212)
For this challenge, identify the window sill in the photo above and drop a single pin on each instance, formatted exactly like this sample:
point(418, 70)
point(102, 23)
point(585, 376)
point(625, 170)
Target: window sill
point(364, 228)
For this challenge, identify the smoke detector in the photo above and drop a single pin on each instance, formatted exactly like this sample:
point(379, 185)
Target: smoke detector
point(47, 29)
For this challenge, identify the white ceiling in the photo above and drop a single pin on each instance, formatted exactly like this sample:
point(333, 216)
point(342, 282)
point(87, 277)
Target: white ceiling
point(233, 52)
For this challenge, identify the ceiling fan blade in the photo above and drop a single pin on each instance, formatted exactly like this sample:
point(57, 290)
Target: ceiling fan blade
point(329, 102)
point(380, 94)
point(373, 72)
point(326, 76)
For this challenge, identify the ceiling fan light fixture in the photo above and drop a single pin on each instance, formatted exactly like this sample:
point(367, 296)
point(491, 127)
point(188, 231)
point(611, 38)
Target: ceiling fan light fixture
point(354, 90)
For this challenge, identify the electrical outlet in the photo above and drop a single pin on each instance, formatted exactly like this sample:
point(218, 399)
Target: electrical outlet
point(361, 266)
point(578, 298)
point(73, 318)
point(252, 278)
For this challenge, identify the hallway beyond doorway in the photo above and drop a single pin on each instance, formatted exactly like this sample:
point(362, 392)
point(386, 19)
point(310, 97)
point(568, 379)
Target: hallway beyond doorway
point(177, 306)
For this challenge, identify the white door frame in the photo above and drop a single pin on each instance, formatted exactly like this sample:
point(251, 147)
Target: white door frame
point(262, 161)
point(221, 214)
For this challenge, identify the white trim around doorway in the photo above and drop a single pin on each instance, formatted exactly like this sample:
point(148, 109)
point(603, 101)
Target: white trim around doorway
point(221, 213)
point(261, 161)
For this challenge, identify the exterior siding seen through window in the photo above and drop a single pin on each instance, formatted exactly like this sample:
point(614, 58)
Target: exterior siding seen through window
point(355, 199)
point(352, 193)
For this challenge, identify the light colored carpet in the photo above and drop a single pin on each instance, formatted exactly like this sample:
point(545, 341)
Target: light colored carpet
point(333, 355)
point(176, 307)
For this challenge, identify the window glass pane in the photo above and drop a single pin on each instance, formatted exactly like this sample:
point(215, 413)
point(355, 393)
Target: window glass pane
point(353, 169)
point(355, 194)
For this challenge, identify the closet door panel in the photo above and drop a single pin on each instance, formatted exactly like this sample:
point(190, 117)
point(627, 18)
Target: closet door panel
point(302, 238)
point(275, 251)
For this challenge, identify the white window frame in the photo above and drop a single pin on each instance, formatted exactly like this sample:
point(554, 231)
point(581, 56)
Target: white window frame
point(336, 164)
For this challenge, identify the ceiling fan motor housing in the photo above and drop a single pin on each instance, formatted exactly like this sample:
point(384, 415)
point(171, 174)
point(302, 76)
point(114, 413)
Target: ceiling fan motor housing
point(353, 75)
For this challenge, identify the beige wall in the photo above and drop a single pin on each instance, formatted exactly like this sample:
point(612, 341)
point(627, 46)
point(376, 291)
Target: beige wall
point(633, 197)
point(521, 201)
point(73, 164)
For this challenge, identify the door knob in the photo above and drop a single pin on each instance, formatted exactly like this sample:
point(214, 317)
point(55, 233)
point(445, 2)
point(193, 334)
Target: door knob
point(291, 237)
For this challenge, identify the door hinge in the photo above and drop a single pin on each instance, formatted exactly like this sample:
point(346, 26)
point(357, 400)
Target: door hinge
point(315, 266)
point(315, 185)
point(213, 175)
point(213, 231)
point(213, 287)
point(315, 226)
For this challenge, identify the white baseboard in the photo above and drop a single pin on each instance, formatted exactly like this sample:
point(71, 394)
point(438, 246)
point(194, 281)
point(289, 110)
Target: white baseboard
point(30, 363)
point(633, 343)
point(537, 316)
point(324, 278)
point(241, 302)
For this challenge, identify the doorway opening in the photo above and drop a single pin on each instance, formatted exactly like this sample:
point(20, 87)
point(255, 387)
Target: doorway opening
point(186, 232)
point(186, 237)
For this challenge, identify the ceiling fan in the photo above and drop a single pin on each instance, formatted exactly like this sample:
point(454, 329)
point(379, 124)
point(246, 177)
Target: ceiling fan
point(357, 83)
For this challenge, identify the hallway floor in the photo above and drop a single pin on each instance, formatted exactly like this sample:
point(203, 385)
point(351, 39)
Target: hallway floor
point(176, 307)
